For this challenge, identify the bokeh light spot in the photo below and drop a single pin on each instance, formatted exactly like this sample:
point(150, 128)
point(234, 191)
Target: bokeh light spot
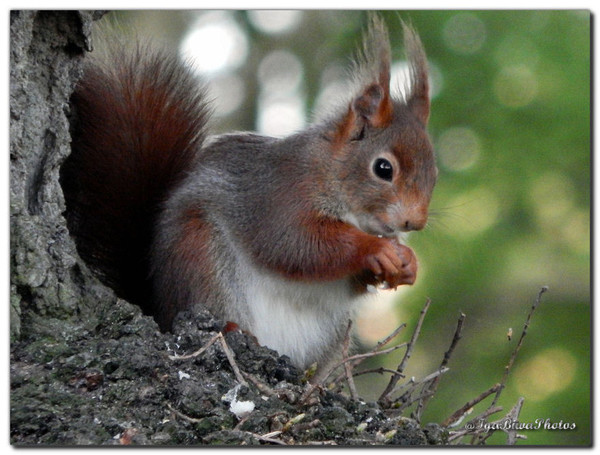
point(464, 33)
point(576, 231)
point(280, 117)
point(275, 21)
point(515, 50)
point(458, 148)
point(515, 86)
point(551, 371)
point(280, 72)
point(215, 43)
point(228, 93)
point(552, 196)
point(378, 316)
point(474, 212)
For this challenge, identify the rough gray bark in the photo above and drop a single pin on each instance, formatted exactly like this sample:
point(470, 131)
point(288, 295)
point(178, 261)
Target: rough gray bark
point(88, 368)
point(45, 60)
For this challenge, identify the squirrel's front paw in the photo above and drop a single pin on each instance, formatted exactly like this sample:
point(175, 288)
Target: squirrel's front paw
point(393, 263)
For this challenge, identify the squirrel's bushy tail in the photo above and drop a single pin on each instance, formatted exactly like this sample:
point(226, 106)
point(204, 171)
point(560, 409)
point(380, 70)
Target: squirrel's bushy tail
point(138, 126)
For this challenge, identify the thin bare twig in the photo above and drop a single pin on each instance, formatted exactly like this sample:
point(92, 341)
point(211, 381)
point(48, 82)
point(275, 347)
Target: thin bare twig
point(434, 383)
point(357, 360)
point(455, 340)
point(519, 344)
point(228, 353)
point(347, 365)
point(481, 433)
point(501, 424)
point(390, 337)
point(406, 398)
point(265, 438)
point(379, 370)
point(409, 402)
point(514, 413)
point(472, 429)
point(469, 404)
point(413, 383)
point(360, 357)
point(182, 415)
point(196, 353)
point(231, 359)
point(384, 398)
point(262, 387)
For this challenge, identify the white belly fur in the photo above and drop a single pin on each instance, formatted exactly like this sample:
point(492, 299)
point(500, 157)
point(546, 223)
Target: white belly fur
point(297, 319)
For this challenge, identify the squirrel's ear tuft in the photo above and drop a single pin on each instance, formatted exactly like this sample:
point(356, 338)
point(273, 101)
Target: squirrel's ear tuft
point(418, 96)
point(372, 75)
point(371, 104)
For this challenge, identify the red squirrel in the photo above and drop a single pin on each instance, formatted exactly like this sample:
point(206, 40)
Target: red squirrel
point(283, 236)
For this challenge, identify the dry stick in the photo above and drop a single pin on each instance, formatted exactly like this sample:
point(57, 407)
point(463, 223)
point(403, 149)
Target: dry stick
point(383, 342)
point(410, 401)
point(198, 352)
point(262, 388)
point(374, 351)
point(384, 397)
point(312, 387)
point(182, 415)
point(474, 430)
point(434, 383)
point(514, 415)
point(360, 357)
point(266, 438)
point(455, 340)
point(518, 347)
point(379, 370)
point(347, 365)
point(356, 359)
point(390, 337)
point(414, 384)
point(512, 435)
point(226, 350)
point(469, 404)
point(231, 359)
point(497, 389)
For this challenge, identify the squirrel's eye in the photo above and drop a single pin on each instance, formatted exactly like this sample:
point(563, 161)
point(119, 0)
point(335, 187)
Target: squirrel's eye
point(383, 169)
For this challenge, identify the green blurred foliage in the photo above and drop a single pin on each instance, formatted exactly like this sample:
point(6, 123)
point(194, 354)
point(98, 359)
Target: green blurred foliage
point(511, 212)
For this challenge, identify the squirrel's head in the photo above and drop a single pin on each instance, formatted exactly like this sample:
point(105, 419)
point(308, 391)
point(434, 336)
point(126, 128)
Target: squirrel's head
point(382, 158)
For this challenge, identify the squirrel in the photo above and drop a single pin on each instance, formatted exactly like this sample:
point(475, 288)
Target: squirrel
point(282, 236)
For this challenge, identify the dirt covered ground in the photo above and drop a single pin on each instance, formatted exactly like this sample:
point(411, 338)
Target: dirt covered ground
point(122, 384)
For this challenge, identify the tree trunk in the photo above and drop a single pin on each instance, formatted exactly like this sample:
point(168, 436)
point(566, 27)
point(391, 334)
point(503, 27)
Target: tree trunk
point(48, 284)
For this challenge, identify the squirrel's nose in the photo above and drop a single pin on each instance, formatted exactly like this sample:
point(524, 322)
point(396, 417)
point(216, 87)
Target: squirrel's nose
point(405, 219)
point(412, 220)
point(413, 224)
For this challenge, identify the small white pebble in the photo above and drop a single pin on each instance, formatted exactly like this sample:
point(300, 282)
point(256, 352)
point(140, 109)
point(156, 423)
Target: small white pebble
point(241, 408)
point(183, 375)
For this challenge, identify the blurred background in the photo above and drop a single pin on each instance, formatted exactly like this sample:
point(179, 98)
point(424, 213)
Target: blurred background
point(511, 212)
